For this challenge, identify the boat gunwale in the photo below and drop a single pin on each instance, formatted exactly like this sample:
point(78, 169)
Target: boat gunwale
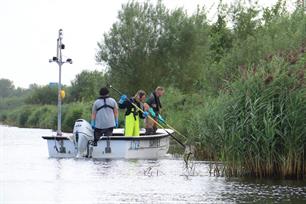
point(115, 137)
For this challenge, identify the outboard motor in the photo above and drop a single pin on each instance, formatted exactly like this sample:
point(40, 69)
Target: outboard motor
point(82, 133)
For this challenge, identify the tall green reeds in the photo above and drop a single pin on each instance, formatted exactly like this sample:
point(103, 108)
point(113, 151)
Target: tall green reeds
point(260, 129)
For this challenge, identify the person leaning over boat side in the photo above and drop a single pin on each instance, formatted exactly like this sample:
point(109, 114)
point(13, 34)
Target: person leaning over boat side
point(132, 114)
point(104, 115)
point(155, 108)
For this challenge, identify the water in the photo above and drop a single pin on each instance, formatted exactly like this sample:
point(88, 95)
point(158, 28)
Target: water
point(27, 175)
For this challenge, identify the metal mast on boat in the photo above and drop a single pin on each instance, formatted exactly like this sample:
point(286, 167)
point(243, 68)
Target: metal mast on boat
point(58, 59)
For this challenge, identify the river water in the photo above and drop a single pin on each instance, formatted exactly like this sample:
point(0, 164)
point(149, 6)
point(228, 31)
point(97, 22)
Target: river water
point(27, 175)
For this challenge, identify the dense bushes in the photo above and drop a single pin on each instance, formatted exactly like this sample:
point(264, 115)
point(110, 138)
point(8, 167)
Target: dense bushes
point(11, 102)
point(74, 111)
point(45, 116)
point(43, 95)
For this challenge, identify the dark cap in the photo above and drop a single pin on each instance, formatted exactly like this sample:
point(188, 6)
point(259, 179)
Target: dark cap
point(104, 91)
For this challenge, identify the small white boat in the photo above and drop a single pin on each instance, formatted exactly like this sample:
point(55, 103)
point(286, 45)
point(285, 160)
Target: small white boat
point(118, 146)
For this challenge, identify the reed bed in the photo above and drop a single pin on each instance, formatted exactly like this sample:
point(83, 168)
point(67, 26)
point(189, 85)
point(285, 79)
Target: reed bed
point(258, 128)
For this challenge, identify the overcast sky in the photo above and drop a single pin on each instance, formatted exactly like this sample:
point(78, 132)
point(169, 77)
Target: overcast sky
point(29, 29)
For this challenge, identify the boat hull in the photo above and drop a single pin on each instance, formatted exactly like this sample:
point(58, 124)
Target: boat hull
point(113, 147)
point(61, 147)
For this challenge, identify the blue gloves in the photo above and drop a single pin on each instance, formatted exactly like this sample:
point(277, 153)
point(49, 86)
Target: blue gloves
point(122, 99)
point(160, 119)
point(117, 123)
point(93, 124)
point(145, 114)
point(152, 113)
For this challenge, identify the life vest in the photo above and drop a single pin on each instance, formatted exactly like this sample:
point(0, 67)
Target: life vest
point(105, 105)
point(157, 102)
point(131, 109)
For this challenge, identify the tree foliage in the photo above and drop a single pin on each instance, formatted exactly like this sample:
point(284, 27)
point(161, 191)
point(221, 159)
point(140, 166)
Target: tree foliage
point(6, 88)
point(86, 86)
point(149, 46)
point(43, 95)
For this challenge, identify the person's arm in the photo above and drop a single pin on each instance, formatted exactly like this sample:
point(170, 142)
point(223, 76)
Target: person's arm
point(145, 113)
point(123, 105)
point(142, 114)
point(123, 102)
point(93, 116)
point(116, 114)
point(146, 107)
point(151, 104)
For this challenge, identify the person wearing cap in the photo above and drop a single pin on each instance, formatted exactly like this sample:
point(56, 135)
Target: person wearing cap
point(104, 116)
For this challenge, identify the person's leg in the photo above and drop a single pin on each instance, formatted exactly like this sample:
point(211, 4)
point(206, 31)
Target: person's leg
point(129, 125)
point(149, 126)
point(97, 135)
point(109, 131)
point(136, 127)
point(155, 125)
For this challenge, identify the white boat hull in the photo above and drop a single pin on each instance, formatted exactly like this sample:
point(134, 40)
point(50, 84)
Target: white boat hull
point(61, 147)
point(112, 147)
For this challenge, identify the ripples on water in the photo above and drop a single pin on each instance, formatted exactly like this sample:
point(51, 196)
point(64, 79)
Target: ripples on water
point(27, 175)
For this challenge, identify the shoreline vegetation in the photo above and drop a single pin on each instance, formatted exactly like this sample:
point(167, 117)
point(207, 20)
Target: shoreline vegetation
point(235, 87)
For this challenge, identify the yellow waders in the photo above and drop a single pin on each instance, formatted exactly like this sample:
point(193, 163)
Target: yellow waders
point(131, 125)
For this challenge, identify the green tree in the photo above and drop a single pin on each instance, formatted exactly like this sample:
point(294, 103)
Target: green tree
point(6, 88)
point(131, 44)
point(221, 38)
point(149, 46)
point(86, 86)
point(184, 49)
point(42, 95)
point(245, 19)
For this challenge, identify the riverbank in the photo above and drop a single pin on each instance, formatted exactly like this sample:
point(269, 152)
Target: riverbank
point(45, 116)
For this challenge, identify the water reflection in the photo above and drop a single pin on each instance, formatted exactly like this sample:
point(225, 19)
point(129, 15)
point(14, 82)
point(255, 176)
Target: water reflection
point(266, 190)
